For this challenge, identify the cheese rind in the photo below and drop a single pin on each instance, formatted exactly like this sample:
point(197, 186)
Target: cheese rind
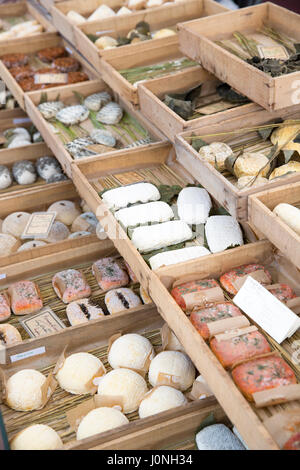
point(158, 236)
point(290, 215)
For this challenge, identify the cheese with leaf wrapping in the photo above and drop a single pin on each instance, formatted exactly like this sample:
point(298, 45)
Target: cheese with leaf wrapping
point(154, 237)
point(168, 258)
point(151, 212)
point(118, 198)
point(222, 232)
point(193, 205)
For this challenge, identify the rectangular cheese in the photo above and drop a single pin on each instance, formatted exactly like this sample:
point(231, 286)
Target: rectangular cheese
point(158, 236)
point(118, 198)
point(152, 212)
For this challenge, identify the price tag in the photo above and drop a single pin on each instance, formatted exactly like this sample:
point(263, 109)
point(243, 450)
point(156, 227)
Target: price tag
point(48, 78)
point(273, 52)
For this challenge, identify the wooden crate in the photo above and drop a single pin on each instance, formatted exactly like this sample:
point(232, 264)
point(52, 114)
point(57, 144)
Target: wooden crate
point(25, 8)
point(173, 429)
point(247, 419)
point(48, 4)
point(158, 18)
point(261, 207)
point(60, 9)
point(197, 40)
point(152, 93)
point(35, 200)
point(155, 55)
point(67, 94)
point(150, 164)
point(221, 187)
point(32, 152)
point(30, 46)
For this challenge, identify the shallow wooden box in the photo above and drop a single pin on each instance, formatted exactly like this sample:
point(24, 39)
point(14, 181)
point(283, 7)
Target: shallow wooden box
point(110, 67)
point(197, 41)
point(34, 44)
point(261, 207)
point(152, 93)
point(166, 16)
point(174, 428)
point(247, 418)
point(25, 8)
point(36, 200)
point(60, 9)
point(32, 152)
point(157, 165)
point(67, 93)
point(221, 187)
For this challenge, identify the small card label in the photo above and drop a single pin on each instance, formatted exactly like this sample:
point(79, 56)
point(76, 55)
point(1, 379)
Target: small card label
point(273, 52)
point(48, 78)
point(266, 310)
point(43, 323)
point(26, 354)
point(39, 225)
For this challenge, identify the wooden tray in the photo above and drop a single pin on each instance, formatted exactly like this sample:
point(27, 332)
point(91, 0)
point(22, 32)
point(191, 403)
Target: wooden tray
point(153, 92)
point(67, 94)
point(35, 200)
point(157, 165)
point(156, 54)
point(32, 152)
point(60, 9)
point(173, 428)
point(222, 186)
point(158, 18)
point(248, 420)
point(27, 9)
point(34, 44)
point(283, 237)
point(197, 41)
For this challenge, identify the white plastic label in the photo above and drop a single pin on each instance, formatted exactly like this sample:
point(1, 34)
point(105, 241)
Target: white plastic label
point(26, 354)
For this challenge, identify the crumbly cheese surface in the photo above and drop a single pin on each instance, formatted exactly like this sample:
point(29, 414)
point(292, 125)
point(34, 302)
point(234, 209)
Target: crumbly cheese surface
point(158, 236)
point(24, 390)
point(161, 399)
point(100, 420)
point(125, 383)
point(131, 350)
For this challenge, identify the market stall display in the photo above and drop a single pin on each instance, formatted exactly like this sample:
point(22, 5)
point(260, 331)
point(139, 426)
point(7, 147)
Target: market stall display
point(138, 292)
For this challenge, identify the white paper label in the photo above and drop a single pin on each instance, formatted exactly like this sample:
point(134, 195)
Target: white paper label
point(266, 310)
point(31, 353)
point(3, 276)
point(21, 120)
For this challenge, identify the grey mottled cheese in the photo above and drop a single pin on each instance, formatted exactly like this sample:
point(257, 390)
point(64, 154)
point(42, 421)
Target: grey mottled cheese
point(218, 437)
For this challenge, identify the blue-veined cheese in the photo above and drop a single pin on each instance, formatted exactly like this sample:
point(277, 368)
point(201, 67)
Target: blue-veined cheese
point(222, 231)
point(177, 256)
point(139, 192)
point(151, 212)
point(154, 237)
point(193, 205)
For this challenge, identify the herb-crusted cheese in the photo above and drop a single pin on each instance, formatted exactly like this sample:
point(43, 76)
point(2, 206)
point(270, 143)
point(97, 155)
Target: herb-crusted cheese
point(151, 212)
point(193, 205)
point(121, 197)
point(177, 256)
point(158, 236)
point(222, 231)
